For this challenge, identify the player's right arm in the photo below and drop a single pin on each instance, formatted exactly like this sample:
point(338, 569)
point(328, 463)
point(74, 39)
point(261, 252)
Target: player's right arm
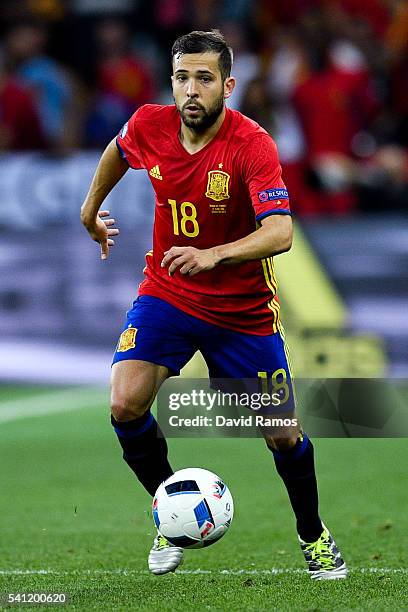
point(110, 170)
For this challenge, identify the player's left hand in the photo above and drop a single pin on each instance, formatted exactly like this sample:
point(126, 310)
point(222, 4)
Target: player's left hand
point(190, 260)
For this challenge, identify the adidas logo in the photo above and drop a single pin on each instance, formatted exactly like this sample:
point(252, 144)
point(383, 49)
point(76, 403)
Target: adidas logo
point(155, 173)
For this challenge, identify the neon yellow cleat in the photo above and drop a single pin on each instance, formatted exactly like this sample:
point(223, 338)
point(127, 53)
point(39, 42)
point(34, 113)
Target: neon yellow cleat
point(323, 558)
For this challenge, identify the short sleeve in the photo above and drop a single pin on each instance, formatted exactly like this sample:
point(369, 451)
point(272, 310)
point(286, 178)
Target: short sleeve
point(127, 142)
point(263, 177)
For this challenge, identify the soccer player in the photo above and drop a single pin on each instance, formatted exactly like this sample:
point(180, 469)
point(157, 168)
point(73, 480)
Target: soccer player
point(222, 212)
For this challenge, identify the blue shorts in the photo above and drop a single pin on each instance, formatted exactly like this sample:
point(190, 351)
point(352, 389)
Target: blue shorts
point(160, 333)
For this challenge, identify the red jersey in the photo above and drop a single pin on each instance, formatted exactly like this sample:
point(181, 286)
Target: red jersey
point(205, 199)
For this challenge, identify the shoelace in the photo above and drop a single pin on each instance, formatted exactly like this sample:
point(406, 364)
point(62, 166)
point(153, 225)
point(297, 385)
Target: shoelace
point(321, 550)
point(161, 542)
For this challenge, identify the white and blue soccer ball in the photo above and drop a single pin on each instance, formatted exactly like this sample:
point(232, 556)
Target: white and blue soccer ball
point(193, 508)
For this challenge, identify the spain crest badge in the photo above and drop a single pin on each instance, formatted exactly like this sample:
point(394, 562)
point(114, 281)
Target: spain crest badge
point(127, 340)
point(217, 186)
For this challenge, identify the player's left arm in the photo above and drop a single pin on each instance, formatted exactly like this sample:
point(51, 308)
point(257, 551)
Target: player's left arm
point(261, 172)
point(273, 237)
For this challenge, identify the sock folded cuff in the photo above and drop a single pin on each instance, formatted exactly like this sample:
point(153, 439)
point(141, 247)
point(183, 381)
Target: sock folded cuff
point(133, 428)
point(295, 452)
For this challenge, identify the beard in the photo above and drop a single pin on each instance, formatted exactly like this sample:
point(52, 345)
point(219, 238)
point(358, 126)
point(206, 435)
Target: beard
point(206, 118)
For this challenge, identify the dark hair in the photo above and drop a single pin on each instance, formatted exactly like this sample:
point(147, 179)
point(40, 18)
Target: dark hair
point(200, 42)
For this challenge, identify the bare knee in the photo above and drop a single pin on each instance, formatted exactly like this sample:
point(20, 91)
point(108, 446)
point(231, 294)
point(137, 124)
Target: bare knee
point(134, 385)
point(130, 401)
point(127, 408)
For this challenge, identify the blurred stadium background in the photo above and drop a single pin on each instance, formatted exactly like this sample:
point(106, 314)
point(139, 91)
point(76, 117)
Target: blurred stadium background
point(327, 78)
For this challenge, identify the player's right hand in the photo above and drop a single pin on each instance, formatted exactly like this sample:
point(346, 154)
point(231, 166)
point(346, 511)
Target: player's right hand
point(101, 231)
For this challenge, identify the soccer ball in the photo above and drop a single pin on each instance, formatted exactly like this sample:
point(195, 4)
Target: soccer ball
point(193, 508)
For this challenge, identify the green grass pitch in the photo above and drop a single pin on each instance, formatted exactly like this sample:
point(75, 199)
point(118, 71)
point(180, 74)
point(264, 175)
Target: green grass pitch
point(73, 518)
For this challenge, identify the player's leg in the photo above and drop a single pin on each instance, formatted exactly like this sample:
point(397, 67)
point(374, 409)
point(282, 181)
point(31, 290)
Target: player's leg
point(295, 465)
point(134, 385)
point(233, 355)
point(252, 357)
point(154, 344)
